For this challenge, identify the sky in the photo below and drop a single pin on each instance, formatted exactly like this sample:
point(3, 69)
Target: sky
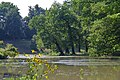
point(23, 4)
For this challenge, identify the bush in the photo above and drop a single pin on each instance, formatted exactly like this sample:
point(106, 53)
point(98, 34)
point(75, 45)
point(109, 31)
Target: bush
point(7, 50)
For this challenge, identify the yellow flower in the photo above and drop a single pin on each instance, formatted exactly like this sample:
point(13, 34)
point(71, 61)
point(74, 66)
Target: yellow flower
point(36, 60)
point(45, 72)
point(52, 70)
point(26, 55)
point(33, 51)
point(46, 77)
point(39, 55)
point(56, 67)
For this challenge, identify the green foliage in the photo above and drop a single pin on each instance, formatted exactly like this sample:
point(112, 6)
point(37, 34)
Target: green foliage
point(8, 50)
point(34, 11)
point(12, 26)
point(79, 24)
point(1, 44)
point(54, 28)
point(10, 21)
point(104, 38)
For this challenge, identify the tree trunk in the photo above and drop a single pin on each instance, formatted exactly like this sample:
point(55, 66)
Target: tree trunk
point(70, 38)
point(67, 50)
point(86, 46)
point(86, 42)
point(73, 49)
point(59, 48)
point(79, 46)
point(79, 35)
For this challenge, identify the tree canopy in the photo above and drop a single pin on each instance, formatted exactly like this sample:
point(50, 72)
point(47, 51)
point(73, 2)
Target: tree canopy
point(74, 25)
point(10, 21)
point(90, 26)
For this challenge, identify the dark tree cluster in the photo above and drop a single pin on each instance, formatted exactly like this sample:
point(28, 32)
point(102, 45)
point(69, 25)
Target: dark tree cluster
point(10, 21)
point(12, 25)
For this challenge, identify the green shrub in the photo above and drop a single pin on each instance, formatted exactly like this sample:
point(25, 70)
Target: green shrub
point(7, 50)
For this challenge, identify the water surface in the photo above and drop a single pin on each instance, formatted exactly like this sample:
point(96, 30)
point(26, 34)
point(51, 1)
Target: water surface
point(72, 68)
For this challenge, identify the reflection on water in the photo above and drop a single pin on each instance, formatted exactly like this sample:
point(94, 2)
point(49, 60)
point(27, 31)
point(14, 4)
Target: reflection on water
point(86, 69)
point(86, 62)
point(74, 68)
point(86, 73)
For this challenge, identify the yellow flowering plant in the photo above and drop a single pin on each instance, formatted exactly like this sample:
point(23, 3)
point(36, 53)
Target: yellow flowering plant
point(38, 69)
point(33, 51)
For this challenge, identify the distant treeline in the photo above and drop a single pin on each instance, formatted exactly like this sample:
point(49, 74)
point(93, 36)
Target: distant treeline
point(92, 26)
point(12, 25)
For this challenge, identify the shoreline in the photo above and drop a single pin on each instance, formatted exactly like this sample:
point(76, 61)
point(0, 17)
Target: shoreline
point(22, 56)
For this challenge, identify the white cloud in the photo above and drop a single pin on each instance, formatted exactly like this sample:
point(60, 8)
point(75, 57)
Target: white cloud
point(23, 4)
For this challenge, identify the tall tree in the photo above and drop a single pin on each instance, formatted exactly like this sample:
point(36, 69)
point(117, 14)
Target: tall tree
point(11, 19)
point(36, 10)
point(104, 38)
point(83, 13)
point(67, 17)
point(47, 29)
point(104, 31)
point(33, 11)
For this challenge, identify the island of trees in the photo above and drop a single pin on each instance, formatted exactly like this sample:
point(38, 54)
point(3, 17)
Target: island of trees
point(89, 26)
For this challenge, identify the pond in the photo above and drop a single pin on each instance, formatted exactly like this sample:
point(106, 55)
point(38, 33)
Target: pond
point(71, 68)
